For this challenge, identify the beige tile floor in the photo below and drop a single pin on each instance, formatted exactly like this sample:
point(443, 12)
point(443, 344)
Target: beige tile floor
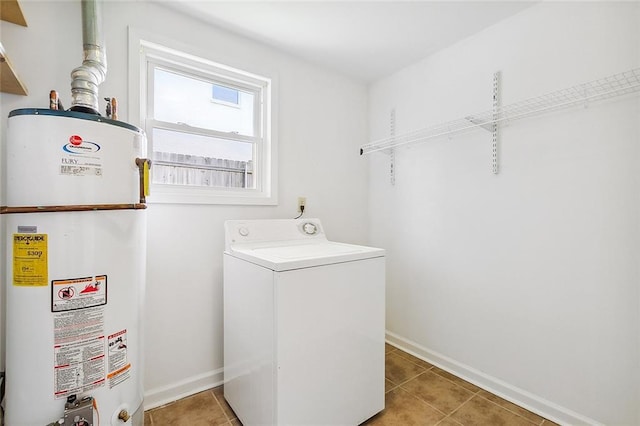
point(417, 393)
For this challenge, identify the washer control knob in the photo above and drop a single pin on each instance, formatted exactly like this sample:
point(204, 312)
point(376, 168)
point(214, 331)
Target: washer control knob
point(310, 228)
point(243, 231)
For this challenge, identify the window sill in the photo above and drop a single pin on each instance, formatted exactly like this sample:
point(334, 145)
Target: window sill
point(163, 195)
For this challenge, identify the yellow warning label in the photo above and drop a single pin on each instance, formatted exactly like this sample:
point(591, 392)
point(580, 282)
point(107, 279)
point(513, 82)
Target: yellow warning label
point(30, 266)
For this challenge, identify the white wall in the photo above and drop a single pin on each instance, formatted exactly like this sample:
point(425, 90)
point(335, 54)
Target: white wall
point(322, 122)
point(524, 282)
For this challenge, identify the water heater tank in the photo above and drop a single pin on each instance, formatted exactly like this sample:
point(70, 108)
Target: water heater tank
point(76, 253)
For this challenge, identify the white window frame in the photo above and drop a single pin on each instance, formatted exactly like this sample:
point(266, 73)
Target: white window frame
point(148, 53)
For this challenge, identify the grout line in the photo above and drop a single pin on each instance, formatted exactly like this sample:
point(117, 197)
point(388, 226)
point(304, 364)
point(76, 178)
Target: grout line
point(432, 406)
point(224, 412)
point(512, 412)
point(422, 400)
point(414, 363)
point(461, 405)
point(451, 381)
point(394, 387)
point(451, 419)
point(421, 366)
point(408, 380)
point(437, 409)
point(474, 393)
point(170, 402)
point(413, 377)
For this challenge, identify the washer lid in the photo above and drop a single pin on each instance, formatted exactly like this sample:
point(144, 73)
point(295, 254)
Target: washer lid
point(295, 255)
point(285, 244)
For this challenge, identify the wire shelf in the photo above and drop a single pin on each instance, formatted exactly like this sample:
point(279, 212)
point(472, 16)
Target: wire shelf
point(605, 88)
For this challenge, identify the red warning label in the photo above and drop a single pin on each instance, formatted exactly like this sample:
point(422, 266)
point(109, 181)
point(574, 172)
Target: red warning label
point(78, 293)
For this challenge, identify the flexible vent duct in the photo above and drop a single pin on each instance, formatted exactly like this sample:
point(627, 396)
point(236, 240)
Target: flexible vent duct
point(87, 77)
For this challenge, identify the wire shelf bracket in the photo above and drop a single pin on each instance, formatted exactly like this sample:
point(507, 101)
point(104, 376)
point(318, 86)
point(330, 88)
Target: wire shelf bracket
point(494, 124)
point(616, 85)
point(392, 154)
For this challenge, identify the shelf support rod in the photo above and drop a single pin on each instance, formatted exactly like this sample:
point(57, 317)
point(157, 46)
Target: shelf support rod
point(392, 154)
point(494, 124)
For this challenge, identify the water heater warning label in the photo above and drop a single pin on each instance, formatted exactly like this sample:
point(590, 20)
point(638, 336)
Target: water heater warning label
point(30, 266)
point(118, 365)
point(79, 367)
point(78, 293)
point(79, 351)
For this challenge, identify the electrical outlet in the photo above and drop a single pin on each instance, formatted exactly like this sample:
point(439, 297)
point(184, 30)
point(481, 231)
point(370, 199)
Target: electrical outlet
point(302, 201)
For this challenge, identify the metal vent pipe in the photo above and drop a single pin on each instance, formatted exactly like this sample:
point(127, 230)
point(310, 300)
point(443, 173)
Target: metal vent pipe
point(87, 77)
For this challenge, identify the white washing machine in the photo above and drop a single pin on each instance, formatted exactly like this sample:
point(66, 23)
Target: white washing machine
point(304, 325)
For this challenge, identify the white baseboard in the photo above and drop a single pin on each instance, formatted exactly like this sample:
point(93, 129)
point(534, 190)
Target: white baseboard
point(163, 395)
point(531, 402)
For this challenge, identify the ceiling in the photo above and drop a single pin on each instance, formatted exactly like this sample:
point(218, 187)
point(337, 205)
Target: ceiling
point(366, 40)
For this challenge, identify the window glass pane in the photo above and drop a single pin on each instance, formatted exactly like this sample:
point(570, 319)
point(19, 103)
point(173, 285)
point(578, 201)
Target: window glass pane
point(186, 159)
point(188, 100)
point(225, 94)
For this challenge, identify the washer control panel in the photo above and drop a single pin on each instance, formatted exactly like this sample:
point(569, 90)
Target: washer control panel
point(275, 230)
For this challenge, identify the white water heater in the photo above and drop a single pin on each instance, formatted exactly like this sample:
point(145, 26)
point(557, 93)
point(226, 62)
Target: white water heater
point(76, 254)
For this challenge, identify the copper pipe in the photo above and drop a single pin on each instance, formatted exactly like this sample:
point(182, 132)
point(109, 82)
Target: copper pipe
point(114, 109)
point(53, 100)
point(71, 208)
